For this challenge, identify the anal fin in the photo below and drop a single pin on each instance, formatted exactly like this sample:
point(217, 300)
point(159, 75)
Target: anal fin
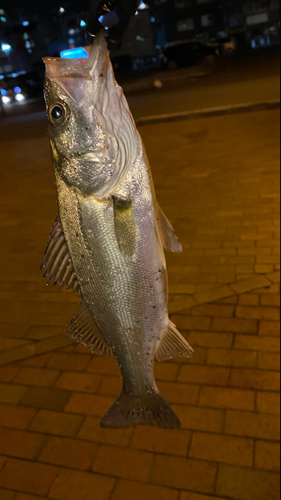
point(57, 262)
point(173, 345)
point(169, 238)
point(83, 329)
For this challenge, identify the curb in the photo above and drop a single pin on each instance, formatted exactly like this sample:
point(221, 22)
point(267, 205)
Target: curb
point(248, 107)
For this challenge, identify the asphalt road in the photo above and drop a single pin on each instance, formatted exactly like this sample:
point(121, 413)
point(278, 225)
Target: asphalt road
point(255, 79)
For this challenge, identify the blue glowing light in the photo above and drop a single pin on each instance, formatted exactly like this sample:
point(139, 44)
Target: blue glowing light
point(78, 53)
point(4, 92)
point(17, 90)
point(5, 47)
point(82, 23)
point(25, 23)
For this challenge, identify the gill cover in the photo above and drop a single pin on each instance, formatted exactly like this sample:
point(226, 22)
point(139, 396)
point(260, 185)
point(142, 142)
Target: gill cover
point(91, 85)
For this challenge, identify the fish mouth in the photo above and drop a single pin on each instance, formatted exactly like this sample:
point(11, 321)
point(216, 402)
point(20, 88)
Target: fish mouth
point(93, 156)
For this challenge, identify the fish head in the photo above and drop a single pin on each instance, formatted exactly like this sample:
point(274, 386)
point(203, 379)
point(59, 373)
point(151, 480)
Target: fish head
point(93, 137)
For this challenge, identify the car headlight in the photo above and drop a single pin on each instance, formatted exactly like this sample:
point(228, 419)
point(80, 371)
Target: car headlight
point(6, 99)
point(19, 97)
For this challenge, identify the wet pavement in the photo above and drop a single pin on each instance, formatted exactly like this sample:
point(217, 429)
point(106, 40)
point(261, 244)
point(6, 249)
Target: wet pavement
point(217, 180)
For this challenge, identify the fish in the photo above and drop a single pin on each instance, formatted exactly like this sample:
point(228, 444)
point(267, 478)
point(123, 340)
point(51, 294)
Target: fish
point(107, 242)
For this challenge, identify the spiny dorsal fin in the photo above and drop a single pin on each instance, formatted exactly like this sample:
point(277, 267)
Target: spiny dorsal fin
point(83, 329)
point(57, 262)
point(169, 238)
point(173, 345)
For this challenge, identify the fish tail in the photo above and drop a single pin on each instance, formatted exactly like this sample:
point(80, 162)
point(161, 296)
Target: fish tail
point(148, 409)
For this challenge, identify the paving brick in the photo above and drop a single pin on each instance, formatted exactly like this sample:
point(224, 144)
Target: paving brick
point(213, 310)
point(20, 444)
point(118, 462)
point(269, 361)
point(182, 473)
point(23, 496)
point(36, 377)
point(267, 456)
point(128, 490)
point(235, 325)
point(29, 477)
point(232, 357)
point(257, 343)
point(166, 371)
point(255, 379)
point(268, 402)
point(199, 357)
point(89, 404)
point(269, 328)
point(3, 460)
point(274, 277)
point(213, 295)
point(70, 362)
point(74, 485)
point(179, 393)
point(249, 299)
point(247, 484)
point(210, 339)
point(7, 495)
point(103, 366)
point(47, 399)
point(220, 397)
point(92, 431)
point(249, 284)
point(11, 393)
point(269, 289)
point(209, 375)
point(200, 419)
point(110, 386)
point(61, 424)
point(267, 313)
point(226, 449)
point(264, 268)
point(187, 495)
point(69, 453)
point(184, 322)
point(84, 382)
point(17, 417)
point(270, 300)
point(36, 361)
point(174, 442)
point(8, 373)
point(249, 424)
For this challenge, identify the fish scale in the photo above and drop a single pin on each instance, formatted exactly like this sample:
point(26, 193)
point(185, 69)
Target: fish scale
point(113, 231)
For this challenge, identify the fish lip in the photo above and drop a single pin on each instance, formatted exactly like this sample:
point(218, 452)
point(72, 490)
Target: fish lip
point(89, 155)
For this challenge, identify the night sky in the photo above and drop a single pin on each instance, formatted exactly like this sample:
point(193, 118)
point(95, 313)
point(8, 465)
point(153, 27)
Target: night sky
point(33, 6)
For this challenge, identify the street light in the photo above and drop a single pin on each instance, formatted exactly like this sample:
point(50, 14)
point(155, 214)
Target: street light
point(5, 47)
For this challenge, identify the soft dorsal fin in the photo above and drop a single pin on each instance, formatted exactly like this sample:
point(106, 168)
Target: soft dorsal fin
point(83, 329)
point(57, 262)
point(169, 238)
point(173, 345)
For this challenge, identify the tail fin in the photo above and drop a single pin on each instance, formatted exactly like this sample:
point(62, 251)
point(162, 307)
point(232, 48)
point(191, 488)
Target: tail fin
point(150, 409)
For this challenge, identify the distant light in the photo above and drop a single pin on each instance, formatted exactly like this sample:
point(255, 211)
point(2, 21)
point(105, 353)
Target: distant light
point(62, 10)
point(5, 47)
point(82, 23)
point(78, 53)
point(152, 19)
point(253, 44)
point(3, 19)
point(71, 41)
point(29, 50)
point(14, 75)
point(17, 90)
point(25, 36)
point(4, 92)
point(19, 97)
point(143, 6)
point(71, 32)
point(25, 23)
point(2, 77)
point(6, 99)
point(27, 44)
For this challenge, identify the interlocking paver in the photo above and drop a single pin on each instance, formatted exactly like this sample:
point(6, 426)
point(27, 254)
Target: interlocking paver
point(54, 393)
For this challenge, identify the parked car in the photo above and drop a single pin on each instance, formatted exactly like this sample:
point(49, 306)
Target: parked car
point(21, 87)
point(187, 53)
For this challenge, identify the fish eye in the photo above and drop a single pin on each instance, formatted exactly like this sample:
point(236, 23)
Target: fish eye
point(58, 114)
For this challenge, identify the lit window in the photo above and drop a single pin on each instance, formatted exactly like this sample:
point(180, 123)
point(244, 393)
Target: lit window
point(186, 25)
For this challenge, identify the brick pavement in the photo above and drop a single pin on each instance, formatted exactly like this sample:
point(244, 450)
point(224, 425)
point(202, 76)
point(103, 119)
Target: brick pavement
point(217, 181)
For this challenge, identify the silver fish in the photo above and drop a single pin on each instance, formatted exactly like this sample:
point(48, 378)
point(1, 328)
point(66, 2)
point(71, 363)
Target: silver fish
point(107, 241)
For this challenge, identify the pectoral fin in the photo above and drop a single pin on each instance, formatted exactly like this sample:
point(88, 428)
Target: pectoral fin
point(125, 229)
point(57, 262)
point(173, 345)
point(169, 238)
point(83, 329)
